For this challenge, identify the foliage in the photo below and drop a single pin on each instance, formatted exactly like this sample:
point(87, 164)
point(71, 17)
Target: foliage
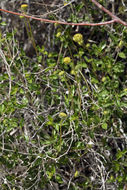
point(63, 113)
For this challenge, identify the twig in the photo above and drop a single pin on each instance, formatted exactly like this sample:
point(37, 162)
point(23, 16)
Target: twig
point(67, 23)
point(7, 66)
point(117, 19)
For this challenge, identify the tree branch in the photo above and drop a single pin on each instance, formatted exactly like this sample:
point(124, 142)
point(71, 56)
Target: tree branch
point(115, 18)
point(109, 13)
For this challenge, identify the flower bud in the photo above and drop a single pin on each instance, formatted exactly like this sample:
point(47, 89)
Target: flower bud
point(78, 38)
point(67, 60)
point(62, 115)
point(24, 7)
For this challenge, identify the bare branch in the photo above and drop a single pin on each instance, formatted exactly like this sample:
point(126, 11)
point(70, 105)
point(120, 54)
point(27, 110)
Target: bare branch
point(109, 13)
point(115, 19)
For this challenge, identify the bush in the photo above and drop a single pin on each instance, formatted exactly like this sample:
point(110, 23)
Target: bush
point(63, 112)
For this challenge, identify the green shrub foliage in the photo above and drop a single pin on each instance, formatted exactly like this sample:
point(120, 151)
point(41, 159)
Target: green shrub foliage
point(63, 112)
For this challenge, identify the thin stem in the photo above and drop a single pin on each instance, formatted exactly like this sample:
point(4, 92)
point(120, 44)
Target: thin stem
point(30, 35)
point(32, 38)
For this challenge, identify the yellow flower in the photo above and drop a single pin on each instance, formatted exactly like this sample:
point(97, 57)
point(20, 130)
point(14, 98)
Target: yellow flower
point(78, 38)
point(87, 45)
point(105, 112)
point(62, 114)
point(103, 79)
point(73, 72)
point(21, 16)
point(125, 89)
point(67, 60)
point(24, 7)
point(76, 174)
point(65, 3)
point(61, 73)
point(58, 34)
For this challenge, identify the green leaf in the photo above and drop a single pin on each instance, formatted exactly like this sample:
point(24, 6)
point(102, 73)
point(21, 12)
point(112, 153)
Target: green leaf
point(3, 23)
point(122, 55)
point(2, 108)
point(120, 154)
point(25, 101)
point(104, 126)
point(58, 178)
